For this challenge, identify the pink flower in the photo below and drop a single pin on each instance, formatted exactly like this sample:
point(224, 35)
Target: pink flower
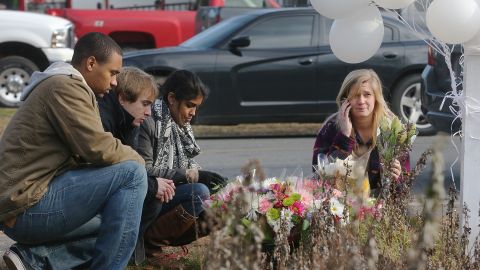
point(336, 193)
point(275, 187)
point(264, 205)
point(297, 208)
point(307, 197)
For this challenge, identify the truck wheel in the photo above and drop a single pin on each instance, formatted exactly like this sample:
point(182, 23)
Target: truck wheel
point(406, 103)
point(15, 74)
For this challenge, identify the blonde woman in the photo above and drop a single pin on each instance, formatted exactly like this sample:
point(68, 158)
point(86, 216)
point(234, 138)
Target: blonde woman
point(352, 131)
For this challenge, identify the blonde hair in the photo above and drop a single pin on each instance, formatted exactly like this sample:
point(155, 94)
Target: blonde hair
point(351, 86)
point(132, 82)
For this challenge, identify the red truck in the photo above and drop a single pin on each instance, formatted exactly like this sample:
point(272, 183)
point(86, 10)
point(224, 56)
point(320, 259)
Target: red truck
point(144, 24)
point(162, 24)
point(134, 29)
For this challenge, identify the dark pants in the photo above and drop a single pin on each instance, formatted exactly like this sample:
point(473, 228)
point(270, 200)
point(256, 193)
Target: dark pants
point(190, 196)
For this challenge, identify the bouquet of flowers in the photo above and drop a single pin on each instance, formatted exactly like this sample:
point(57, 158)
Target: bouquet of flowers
point(345, 175)
point(394, 141)
point(288, 204)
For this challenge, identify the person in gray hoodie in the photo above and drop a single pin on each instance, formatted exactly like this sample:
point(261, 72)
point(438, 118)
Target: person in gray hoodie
point(61, 172)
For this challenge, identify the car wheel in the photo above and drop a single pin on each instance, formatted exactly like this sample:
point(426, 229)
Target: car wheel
point(160, 79)
point(406, 103)
point(15, 72)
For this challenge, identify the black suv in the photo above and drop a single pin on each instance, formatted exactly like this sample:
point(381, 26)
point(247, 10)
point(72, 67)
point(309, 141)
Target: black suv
point(276, 65)
point(436, 83)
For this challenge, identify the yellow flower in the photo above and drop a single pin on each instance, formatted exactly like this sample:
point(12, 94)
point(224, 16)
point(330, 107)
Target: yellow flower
point(366, 188)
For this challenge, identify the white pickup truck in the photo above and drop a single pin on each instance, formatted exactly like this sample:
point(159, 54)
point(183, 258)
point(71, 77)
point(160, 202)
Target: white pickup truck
point(30, 42)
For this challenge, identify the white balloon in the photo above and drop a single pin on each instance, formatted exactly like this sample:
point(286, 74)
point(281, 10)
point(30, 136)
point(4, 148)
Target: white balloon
point(472, 46)
point(336, 9)
point(356, 38)
point(453, 21)
point(394, 4)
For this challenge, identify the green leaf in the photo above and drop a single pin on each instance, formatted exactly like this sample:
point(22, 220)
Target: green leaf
point(305, 225)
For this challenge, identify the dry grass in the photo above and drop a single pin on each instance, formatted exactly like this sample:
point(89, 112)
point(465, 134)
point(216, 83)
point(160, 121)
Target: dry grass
point(211, 131)
point(5, 115)
point(404, 238)
point(257, 130)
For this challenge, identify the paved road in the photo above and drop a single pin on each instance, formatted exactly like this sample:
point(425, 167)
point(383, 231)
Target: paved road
point(291, 155)
point(280, 156)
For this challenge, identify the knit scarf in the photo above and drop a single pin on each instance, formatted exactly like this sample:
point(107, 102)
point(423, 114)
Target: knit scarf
point(175, 146)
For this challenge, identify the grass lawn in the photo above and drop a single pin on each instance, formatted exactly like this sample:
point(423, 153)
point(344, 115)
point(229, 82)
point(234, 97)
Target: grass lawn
point(5, 115)
point(210, 131)
point(194, 259)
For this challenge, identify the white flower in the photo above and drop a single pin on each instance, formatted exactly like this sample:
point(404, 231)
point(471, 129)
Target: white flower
point(330, 169)
point(338, 167)
point(267, 182)
point(318, 203)
point(255, 186)
point(252, 215)
point(286, 216)
point(336, 208)
point(412, 139)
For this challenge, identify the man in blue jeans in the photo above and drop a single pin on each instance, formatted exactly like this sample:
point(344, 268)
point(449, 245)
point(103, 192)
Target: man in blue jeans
point(64, 180)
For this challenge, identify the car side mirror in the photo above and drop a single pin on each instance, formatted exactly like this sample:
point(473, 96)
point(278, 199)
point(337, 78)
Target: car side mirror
point(237, 43)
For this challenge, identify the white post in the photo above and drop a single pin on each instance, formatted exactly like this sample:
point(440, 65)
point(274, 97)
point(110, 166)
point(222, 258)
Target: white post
point(470, 154)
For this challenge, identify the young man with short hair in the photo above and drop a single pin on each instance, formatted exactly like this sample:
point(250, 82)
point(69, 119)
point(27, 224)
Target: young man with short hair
point(63, 177)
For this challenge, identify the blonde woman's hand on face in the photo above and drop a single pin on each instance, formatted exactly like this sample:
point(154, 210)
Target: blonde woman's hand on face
point(166, 190)
point(344, 118)
point(396, 169)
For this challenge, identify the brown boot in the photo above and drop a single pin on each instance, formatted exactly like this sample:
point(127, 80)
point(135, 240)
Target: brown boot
point(201, 228)
point(166, 230)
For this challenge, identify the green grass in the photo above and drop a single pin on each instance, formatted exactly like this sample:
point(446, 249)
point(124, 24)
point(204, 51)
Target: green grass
point(5, 115)
point(7, 112)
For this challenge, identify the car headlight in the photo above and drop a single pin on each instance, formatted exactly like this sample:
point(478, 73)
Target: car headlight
point(63, 38)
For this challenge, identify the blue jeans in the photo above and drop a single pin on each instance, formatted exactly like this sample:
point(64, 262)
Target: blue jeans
point(64, 228)
point(190, 196)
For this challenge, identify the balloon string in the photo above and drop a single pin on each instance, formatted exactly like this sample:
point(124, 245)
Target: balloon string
point(467, 107)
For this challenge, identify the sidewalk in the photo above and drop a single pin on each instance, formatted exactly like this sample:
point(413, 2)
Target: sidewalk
point(5, 242)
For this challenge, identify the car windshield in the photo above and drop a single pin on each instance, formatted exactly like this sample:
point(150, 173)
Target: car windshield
point(217, 33)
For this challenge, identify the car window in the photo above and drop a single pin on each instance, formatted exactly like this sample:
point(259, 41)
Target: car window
point(325, 25)
point(388, 33)
point(413, 34)
point(281, 32)
point(218, 32)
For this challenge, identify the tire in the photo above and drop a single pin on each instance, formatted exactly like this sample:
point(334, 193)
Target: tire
point(406, 103)
point(160, 79)
point(15, 72)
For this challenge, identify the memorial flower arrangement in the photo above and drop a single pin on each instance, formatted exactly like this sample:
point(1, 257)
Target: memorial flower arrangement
point(394, 142)
point(290, 203)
